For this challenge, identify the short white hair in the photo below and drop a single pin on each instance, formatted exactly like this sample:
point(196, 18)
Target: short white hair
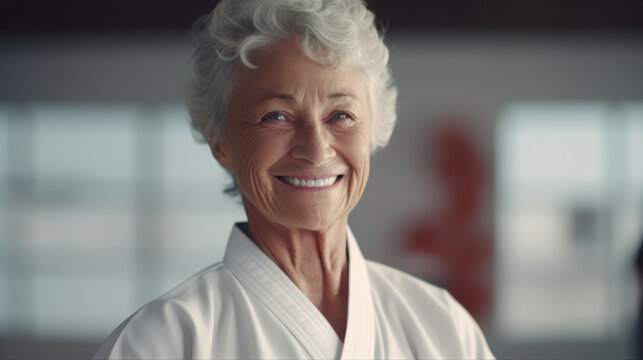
point(334, 33)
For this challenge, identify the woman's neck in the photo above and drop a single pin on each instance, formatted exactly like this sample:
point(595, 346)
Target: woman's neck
point(316, 261)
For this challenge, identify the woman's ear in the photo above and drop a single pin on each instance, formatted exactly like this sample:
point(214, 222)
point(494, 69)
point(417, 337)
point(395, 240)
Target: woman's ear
point(222, 153)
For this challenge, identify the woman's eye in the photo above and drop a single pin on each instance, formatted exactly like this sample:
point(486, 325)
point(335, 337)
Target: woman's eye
point(274, 116)
point(340, 116)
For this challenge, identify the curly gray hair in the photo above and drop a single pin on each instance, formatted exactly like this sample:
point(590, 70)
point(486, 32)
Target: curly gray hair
point(334, 33)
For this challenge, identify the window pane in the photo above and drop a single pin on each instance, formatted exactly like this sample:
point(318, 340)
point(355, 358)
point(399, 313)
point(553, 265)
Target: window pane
point(196, 239)
point(84, 260)
point(124, 205)
point(4, 144)
point(80, 306)
point(85, 142)
point(550, 282)
point(4, 215)
point(199, 216)
point(634, 120)
point(81, 224)
point(560, 219)
point(4, 271)
point(554, 150)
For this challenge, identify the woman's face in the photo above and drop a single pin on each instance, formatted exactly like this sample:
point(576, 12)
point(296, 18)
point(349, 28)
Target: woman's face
point(297, 139)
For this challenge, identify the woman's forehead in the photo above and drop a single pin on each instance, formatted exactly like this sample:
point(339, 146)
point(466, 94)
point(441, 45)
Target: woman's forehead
point(284, 72)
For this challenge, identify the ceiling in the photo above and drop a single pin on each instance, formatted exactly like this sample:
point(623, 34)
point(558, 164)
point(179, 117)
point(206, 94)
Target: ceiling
point(36, 17)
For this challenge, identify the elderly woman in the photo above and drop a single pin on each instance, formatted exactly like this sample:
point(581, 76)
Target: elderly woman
point(293, 96)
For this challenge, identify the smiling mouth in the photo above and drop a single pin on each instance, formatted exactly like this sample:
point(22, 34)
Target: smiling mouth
point(310, 183)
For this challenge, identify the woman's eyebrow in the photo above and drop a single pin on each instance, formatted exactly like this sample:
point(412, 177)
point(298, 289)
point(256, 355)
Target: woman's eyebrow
point(289, 97)
point(342, 95)
point(270, 96)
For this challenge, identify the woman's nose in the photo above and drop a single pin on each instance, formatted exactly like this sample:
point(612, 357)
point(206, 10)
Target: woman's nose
point(313, 145)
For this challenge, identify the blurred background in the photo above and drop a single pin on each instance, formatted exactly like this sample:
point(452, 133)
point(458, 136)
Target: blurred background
point(514, 177)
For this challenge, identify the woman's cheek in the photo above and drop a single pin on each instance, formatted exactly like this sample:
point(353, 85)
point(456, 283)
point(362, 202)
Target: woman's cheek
point(246, 147)
point(360, 158)
point(258, 146)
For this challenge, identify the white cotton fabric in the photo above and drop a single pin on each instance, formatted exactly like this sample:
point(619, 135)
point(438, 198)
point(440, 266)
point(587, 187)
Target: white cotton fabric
point(246, 307)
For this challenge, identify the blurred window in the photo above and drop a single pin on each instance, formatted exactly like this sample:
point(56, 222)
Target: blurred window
point(102, 208)
point(569, 211)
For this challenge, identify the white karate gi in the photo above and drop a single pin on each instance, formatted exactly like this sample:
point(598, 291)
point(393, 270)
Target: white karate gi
point(246, 307)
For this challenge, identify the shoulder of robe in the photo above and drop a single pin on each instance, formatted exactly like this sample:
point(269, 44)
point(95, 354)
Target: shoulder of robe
point(406, 286)
point(427, 310)
point(171, 325)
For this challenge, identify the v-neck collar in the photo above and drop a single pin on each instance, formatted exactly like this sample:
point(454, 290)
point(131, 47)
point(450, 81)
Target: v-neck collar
point(270, 285)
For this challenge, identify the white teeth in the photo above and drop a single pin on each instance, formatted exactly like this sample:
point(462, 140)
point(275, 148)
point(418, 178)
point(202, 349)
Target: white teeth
point(310, 183)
